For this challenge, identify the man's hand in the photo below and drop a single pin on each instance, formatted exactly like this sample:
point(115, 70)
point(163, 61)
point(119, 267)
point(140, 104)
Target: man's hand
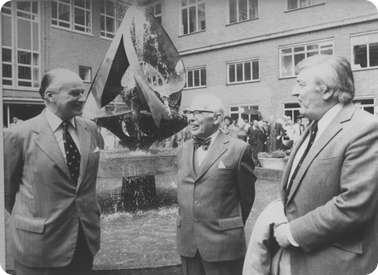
point(281, 233)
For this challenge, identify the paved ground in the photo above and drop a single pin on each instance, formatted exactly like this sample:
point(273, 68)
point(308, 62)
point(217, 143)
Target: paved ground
point(147, 239)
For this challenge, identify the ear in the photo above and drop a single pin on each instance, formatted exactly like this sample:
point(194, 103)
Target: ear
point(218, 118)
point(48, 96)
point(326, 92)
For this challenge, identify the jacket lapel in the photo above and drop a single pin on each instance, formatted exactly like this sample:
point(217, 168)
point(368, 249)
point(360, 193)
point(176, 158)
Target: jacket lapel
point(215, 151)
point(330, 132)
point(47, 142)
point(84, 140)
point(297, 145)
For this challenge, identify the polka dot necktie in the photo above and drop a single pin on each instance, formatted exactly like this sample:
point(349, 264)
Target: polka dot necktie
point(72, 153)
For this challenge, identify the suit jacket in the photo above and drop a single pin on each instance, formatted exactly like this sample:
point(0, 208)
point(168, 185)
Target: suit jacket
point(215, 201)
point(46, 208)
point(332, 204)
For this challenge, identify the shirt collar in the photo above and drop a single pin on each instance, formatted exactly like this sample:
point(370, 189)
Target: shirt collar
point(213, 136)
point(327, 118)
point(55, 121)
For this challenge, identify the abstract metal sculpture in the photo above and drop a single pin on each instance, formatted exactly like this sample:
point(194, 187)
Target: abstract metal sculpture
point(136, 93)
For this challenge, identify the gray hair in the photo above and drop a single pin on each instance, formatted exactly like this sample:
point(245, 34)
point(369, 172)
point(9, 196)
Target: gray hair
point(335, 73)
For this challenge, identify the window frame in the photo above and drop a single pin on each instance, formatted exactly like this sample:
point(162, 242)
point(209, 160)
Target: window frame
point(326, 44)
point(368, 38)
point(299, 5)
point(292, 110)
point(72, 23)
point(152, 9)
point(237, 9)
point(197, 22)
point(358, 101)
point(243, 62)
point(241, 110)
point(34, 65)
point(89, 68)
point(192, 70)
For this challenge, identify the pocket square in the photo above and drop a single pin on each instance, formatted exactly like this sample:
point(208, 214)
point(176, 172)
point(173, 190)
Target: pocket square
point(221, 165)
point(96, 150)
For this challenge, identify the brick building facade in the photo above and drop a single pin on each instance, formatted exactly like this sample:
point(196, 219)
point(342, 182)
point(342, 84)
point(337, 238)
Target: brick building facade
point(245, 50)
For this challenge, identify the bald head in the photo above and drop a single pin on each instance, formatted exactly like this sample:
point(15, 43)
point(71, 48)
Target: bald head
point(205, 115)
point(63, 93)
point(55, 78)
point(208, 102)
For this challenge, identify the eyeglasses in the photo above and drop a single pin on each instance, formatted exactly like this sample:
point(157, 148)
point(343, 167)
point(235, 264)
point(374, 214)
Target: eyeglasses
point(197, 112)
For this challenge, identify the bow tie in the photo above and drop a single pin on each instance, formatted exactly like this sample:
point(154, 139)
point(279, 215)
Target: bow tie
point(200, 142)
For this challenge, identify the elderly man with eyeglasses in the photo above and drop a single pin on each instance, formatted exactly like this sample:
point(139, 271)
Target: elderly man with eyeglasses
point(215, 193)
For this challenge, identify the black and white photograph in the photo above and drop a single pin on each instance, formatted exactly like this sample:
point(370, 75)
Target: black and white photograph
point(189, 137)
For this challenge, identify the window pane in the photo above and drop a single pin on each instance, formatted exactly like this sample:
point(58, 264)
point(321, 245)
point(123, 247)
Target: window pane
point(329, 52)
point(360, 55)
point(185, 21)
point(110, 24)
point(24, 83)
point(192, 19)
point(247, 71)
point(24, 72)
point(7, 55)
point(79, 3)
point(203, 77)
point(253, 9)
point(201, 17)
point(243, 13)
point(196, 78)
point(79, 17)
point(35, 59)
point(24, 57)
point(232, 8)
point(64, 12)
point(373, 54)
point(7, 70)
point(255, 70)
point(24, 34)
point(286, 50)
point(286, 66)
point(190, 79)
point(239, 72)
point(109, 8)
point(304, 3)
point(292, 4)
point(23, 5)
point(102, 23)
point(299, 49)
point(298, 58)
point(35, 36)
point(231, 73)
point(54, 10)
point(6, 30)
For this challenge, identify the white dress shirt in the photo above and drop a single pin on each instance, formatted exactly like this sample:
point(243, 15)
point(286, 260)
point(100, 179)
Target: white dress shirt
point(201, 153)
point(323, 123)
point(55, 123)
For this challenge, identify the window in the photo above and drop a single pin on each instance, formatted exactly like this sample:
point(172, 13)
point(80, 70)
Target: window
point(248, 112)
point(20, 44)
point(291, 56)
point(85, 73)
point(242, 10)
point(365, 51)
point(297, 4)
point(155, 10)
point(245, 71)
point(196, 78)
point(111, 15)
point(72, 14)
point(291, 110)
point(192, 16)
point(366, 104)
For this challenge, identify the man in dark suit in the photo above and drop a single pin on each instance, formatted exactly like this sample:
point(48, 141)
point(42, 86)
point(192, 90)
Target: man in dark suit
point(51, 164)
point(215, 193)
point(330, 189)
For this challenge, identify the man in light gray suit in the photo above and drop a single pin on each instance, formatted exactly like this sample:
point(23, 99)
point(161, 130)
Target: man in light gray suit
point(215, 193)
point(330, 185)
point(51, 164)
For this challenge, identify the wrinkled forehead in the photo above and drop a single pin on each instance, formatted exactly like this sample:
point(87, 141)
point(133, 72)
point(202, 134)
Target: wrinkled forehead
point(205, 103)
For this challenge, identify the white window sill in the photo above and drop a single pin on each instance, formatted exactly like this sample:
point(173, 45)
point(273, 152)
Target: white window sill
point(356, 69)
point(192, 33)
point(240, 22)
point(194, 88)
point(242, 82)
point(72, 30)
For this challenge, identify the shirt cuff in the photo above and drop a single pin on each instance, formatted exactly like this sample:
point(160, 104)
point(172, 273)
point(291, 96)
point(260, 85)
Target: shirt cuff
point(291, 238)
